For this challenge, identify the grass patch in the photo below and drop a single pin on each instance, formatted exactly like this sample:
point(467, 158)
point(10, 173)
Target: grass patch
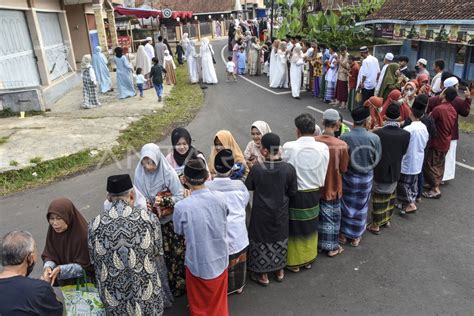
point(13, 163)
point(466, 127)
point(3, 139)
point(8, 113)
point(181, 106)
point(36, 160)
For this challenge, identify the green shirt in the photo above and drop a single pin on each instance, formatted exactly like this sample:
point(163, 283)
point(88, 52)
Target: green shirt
point(156, 74)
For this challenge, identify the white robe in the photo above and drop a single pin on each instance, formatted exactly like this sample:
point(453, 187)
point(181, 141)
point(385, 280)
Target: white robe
point(450, 163)
point(150, 51)
point(192, 65)
point(272, 64)
point(208, 70)
point(379, 81)
point(296, 69)
point(280, 72)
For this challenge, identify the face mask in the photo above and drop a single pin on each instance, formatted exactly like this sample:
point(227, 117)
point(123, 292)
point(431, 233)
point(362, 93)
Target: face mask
point(30, 268)
point(409, 92)
point(417, 68)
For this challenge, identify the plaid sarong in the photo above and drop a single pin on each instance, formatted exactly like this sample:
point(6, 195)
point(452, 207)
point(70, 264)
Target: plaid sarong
point(330, 91)
point(382, 207)
point(329, 224)
point(356, 188)
point(407, 188)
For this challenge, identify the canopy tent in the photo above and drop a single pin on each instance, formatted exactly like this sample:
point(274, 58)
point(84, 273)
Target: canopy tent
point(147, 13)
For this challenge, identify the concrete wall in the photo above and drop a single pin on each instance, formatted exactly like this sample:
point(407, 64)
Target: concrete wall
point(47, 5)
point(79, 32)
point(17, 4)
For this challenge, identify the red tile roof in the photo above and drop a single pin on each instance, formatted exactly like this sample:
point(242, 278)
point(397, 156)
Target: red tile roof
point(197, 6)
point(412, 10)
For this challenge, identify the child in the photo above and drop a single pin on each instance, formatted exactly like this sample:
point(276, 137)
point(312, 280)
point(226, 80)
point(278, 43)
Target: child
point(140, 79)
point(241, 61)
point(230, 66)
point(317, 64)
point(237, 197)
point(202, 219)
point(273, 182)
point(156, 75)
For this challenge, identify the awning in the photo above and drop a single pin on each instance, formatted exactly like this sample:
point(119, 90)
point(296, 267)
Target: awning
point(146, 13)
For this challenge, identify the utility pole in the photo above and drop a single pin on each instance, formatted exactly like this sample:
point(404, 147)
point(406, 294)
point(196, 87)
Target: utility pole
point(271, 21)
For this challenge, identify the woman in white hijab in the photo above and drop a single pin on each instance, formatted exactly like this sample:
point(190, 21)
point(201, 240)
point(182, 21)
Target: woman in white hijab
point(90, 97)
point(252, 153)
point(208, 71)
point(185, 45)
point(168, 64)
point(279, 74)
point(192, 63)
point(159, 183)
point(143, 62)
point(99, 63)
point(296, 70)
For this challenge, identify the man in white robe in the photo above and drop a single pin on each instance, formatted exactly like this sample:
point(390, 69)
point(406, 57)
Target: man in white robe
point(150, 51)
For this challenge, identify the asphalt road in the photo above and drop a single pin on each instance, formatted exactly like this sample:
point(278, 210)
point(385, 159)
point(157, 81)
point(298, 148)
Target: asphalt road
point(423, 264)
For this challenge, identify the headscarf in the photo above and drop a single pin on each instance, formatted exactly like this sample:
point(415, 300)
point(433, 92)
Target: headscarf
point(276, 45)
point(374, 104)
point(424, 88)
point(389, 81)
point(283, 46)
point(69, 246)
point(393, 96)
point(296, 53)
point(262, 127)
point(168, 57)
point(86, 61)
point(228, 142)
point(192, 152)
point(118, 51)
point(152, 183)
point(143, 61)
point(421, 78)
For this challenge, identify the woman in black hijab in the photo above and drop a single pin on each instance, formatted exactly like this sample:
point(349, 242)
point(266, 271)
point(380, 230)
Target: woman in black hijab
point(182, 150)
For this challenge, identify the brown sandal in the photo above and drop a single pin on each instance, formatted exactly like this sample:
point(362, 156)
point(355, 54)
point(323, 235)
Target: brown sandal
point(335, 252)
point(356, 242)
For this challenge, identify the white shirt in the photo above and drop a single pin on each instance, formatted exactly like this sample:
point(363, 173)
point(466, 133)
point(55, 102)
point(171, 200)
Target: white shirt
point(139, 78)
point(230, 66)
point(379, 81)
point(150, 51)
point(310, 52)
point(237, 197)
point(412, 162)
point(310, 159)
point(370, 69)
point(436, 83)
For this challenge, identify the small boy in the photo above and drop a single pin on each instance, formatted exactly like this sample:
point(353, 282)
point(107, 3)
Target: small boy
point(156, 75)
point(202, 219)
point(140, 79)
point(273, 182)
point(241, 61)
point(230, 66)
point(237, 197)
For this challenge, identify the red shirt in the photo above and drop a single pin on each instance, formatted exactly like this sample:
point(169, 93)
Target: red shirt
point(445, 117)
point(462, 107)
point(354, 74)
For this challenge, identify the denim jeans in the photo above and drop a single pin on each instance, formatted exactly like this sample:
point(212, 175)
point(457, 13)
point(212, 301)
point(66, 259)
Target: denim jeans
point(140, 88)
point(158, 89)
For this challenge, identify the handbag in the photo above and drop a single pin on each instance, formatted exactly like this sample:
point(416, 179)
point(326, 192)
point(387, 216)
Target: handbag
point(82, 298)
point(166, 206)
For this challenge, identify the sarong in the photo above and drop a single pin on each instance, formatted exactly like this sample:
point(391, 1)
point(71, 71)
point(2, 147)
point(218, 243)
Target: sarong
point(237, 271)
point(316, 82)
point(382, 207)
point(174, 250)
point(450, 163)
point(303, 239)
point(329, 224)
point(330, 91)
point(407, 188)
point(322, 91)
point(342, 91)
point(207, 297)
point(356, 188)
point(433, 167)
point(267, 257)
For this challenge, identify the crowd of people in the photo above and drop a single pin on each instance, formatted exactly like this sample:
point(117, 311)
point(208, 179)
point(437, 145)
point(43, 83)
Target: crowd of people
point(180, 227)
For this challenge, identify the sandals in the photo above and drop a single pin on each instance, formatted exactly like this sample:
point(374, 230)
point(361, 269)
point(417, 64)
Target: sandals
point(356, 242)
point(294, 270)
point(333, 253)
point(432, 195)
point(281, 277)
point(342, 240)
point(256, 279)
point(372, 230)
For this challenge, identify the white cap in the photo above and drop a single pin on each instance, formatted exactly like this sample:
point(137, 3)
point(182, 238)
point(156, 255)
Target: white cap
point(450, 82)
point(389, 56)
point(148, 39)
point(422, 61)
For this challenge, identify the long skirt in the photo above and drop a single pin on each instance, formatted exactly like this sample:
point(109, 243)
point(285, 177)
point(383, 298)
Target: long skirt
point(170, 73)
point(407, 188)
point(356, 188)
point(174, 251)
point(323, 87)
point(267, 257)
point(330, 91)
point(303, 239)
point(237, 271)
point(316, 83)
point(207, 297)
point(433, 168)
point(90, 98)
point(450, 164)
point(342, 91)
point(382, 207)
point(329, 224)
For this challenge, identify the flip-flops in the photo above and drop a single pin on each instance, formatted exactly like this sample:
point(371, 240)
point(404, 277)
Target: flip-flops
point(432, 195)
point(372, 230)
point(339, 251)
point(256, 279)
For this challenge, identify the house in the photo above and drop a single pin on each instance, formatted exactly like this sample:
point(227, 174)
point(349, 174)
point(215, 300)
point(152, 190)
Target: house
point(430, 29)
point(37, 53)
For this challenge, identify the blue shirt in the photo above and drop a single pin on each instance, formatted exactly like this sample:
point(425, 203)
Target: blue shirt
point(242, 60)
point(365, 149)
point(202, 219)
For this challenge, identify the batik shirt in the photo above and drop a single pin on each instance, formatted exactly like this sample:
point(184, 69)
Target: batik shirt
point(124, 244)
